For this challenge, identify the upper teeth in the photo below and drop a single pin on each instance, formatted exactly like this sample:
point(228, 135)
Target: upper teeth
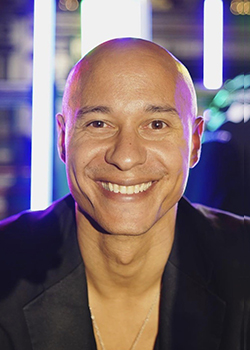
point(126, 189)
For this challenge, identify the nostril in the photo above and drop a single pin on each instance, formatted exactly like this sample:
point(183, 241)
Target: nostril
point(126, 158)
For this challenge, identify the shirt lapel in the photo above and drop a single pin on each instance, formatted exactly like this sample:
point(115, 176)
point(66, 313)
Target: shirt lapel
point(191, 314)
point(191, 317)
point(59, 318)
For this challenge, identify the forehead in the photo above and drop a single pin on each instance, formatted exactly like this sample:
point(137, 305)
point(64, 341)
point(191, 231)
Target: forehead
point(125, 74)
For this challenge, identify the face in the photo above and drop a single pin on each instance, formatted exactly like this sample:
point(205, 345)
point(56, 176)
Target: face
point(128, 143)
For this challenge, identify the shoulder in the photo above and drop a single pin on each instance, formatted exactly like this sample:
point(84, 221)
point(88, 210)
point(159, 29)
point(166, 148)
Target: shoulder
point(213, 221)
point(32, 259)
point(28, 220)
point(31, 235)
point(30, 242)
point(223, 220)
point(229, 231)
point(220, 240)
point(222, 237)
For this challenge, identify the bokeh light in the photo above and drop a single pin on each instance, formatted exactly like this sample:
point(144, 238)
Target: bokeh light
point(68, 5)
point(239, 7)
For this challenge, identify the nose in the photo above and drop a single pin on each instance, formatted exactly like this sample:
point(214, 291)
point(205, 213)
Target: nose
point(127, 151)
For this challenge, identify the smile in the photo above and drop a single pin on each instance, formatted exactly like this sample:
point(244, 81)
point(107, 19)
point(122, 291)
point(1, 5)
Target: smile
point(126, 189)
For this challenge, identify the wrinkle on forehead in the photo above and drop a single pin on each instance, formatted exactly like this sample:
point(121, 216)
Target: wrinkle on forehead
point(138, 55)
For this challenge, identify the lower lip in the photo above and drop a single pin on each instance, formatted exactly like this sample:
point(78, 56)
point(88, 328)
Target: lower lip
point(121, 196)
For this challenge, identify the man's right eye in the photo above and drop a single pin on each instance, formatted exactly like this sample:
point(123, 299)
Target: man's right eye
point(97, 124)
point(99, 128)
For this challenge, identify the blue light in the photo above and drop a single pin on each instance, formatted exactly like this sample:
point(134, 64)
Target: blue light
point(104, 20)
point(213, 44)
point(42, 103)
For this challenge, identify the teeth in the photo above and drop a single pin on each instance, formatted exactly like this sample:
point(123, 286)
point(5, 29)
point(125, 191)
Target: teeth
point(116, 188)
point(137, 188)
point(126, 189)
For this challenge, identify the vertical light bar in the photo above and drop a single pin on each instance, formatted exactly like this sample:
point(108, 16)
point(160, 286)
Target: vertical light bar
point(102, 20)
point(213, 44)
point(42, 103)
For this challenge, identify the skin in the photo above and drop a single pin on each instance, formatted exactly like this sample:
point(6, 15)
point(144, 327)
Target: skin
point(129, 117)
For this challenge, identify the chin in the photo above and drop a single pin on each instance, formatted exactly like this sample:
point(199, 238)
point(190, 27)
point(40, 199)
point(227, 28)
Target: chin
point(113, 226)
point(121, 229)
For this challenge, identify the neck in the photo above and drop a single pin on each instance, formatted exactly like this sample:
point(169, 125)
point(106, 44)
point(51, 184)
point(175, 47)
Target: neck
point(132, 265)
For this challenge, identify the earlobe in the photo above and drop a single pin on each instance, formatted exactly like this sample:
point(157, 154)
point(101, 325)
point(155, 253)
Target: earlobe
point(61, 136)
point(198, 128)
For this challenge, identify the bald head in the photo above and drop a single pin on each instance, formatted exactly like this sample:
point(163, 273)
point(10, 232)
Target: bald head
point(133, 57)
point(128, 119)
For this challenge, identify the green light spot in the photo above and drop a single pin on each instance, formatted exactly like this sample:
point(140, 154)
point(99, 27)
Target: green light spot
point(221, 99)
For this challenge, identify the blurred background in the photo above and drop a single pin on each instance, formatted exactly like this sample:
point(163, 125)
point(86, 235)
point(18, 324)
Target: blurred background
point(177, 25)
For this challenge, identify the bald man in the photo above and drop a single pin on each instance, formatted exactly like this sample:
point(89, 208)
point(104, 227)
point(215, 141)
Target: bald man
point(125, 262)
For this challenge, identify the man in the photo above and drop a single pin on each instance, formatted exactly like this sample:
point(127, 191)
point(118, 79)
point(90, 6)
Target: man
point(126, 262)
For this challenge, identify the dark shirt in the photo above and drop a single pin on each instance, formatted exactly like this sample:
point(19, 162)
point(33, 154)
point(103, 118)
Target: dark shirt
point(205, 297)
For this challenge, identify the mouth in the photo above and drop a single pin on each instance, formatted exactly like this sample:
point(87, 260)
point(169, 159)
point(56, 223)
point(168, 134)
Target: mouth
point(134, 189)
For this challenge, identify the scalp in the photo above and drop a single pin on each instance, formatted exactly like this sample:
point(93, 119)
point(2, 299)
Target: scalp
point(135, 54)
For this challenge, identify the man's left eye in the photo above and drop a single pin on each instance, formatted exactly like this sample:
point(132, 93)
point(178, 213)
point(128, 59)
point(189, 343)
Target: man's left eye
point(157, 124)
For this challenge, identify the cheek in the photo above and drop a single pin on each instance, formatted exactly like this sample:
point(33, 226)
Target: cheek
point(78, 149)
point(76, 157)
point(84, 159)
point(174, 153)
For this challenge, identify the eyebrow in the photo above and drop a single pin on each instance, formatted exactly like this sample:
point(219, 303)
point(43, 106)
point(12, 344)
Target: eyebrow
point(92, 109)
point(161, 109)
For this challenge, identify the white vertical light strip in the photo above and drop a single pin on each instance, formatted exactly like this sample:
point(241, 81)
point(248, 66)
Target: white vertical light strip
point(102, 20)
point(42, 103)
point(213, 44)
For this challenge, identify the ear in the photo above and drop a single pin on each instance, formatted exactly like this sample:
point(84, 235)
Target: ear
point(198, 127)
point(61, 136)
